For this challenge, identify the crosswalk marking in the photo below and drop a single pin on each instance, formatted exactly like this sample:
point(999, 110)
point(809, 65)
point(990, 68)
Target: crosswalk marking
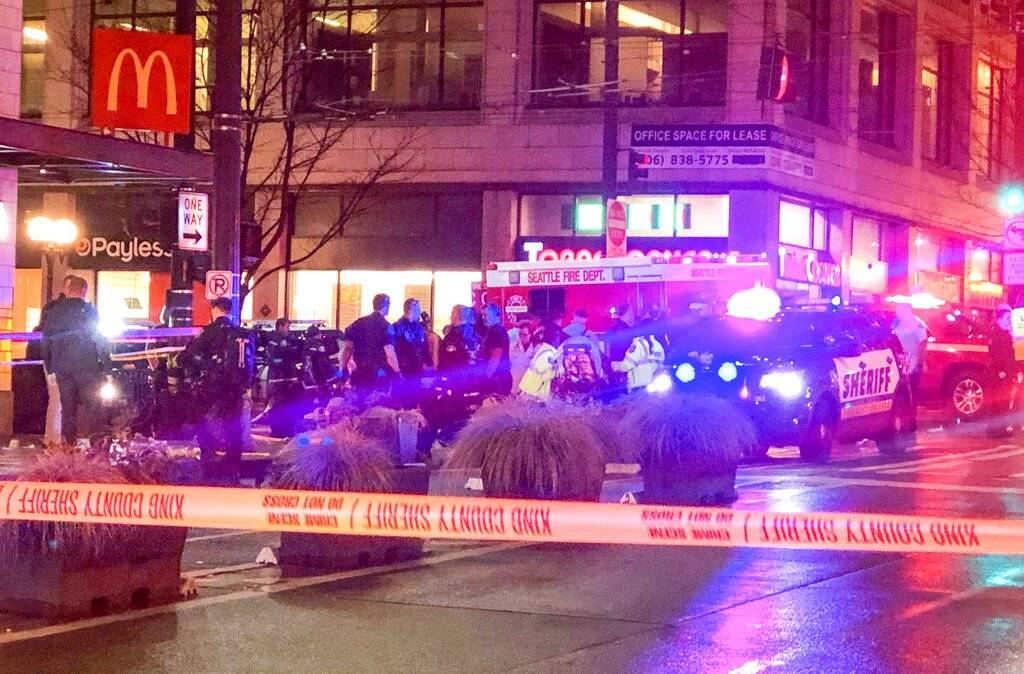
point(954, 461)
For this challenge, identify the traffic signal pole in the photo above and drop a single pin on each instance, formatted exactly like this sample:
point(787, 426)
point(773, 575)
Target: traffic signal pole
point(226, 142)
point(610, 138)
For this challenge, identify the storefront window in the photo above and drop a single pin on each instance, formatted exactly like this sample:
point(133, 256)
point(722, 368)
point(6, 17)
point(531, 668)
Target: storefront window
point(647, 215)
point(339, 298)
point(804, 226)
point(867, 239)
point(670, 51)
point(927, 250)
point(121, 296)
point(397, 53)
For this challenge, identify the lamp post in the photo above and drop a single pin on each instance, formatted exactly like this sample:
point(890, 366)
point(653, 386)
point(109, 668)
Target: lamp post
point(55, 236)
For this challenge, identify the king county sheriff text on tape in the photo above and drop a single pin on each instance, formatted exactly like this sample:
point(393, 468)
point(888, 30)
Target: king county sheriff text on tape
point(499, 519)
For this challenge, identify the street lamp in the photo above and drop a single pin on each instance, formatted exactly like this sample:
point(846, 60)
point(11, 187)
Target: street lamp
point(55, 236)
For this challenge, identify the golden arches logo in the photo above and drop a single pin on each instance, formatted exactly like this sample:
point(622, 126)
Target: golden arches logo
point(142, 75)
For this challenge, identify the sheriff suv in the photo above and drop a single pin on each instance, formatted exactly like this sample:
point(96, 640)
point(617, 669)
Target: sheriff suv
point(809, 377)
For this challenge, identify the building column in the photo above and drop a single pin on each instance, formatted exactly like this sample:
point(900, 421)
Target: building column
point(506, 68)
point(499, 226)
point(66, 87)
point(754, 224)
point(10, 106)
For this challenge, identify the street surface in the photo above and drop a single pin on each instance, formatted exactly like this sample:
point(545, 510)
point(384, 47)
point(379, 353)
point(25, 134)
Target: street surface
point(558, 608)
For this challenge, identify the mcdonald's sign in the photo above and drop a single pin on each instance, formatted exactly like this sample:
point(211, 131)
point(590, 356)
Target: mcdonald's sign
point(142, 80)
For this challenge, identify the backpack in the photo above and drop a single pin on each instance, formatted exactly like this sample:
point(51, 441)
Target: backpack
point(234, 360)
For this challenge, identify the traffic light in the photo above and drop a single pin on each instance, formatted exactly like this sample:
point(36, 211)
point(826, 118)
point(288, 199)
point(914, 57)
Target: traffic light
point(775, 80)
point(1011, 199)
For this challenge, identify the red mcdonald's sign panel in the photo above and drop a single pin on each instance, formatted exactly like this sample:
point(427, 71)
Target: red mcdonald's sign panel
point(141, 80)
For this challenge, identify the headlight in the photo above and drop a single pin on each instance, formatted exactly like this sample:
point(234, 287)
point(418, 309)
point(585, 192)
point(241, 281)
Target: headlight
point(786, 384)
point(662, 383)
point(685, 373)
point(108, 391)
point(727, 372)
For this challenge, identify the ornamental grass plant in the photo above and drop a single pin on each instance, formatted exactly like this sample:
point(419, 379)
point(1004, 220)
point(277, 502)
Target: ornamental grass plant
point(337, 458)
point(528, 449)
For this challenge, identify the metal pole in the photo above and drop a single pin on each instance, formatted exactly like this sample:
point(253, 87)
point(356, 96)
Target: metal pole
point(610, 145)
point(185, 24)
point(225, 139)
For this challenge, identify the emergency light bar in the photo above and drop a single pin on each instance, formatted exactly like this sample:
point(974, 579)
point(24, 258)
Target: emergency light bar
point(129, 336)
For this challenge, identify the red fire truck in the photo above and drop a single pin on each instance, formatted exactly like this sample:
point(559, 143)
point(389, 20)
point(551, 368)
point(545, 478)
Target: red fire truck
point(541, 289)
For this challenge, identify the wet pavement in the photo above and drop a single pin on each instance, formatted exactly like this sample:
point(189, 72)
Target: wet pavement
point(558, 608)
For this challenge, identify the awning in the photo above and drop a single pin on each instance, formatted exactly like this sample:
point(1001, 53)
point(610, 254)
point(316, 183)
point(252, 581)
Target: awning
point(55, 156)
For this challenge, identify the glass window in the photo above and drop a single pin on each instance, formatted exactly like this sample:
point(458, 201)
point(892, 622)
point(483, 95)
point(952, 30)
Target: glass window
point(807, 40)
point(867, 238)
point(794, 224)
point(33, 67)
point(314, 296)
point(670, 51)
point(408, 54)
point(547, 214)
point(927, 249)
point(991, 112)
point(936, 100)
point(702, 215)
point(876, 76)
point(122, 295)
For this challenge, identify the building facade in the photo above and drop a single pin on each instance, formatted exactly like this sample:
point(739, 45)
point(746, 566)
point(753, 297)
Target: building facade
point(876, 175)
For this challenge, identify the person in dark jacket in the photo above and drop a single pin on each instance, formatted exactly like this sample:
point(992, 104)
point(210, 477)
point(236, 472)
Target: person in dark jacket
point(77, 355)
point(284, 386)
point(413, 352)
point(370, 343)
point(221, 364)
point(495, 353)
point(1005, 371)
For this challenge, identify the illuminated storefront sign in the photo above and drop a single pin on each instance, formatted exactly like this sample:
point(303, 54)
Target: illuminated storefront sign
point(806, 266)
point(538, 251)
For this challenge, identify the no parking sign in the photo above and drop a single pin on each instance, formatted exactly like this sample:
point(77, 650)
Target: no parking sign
point(218, 284)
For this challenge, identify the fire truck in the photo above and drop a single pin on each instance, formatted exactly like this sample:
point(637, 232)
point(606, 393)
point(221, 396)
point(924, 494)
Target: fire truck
point(676, 283)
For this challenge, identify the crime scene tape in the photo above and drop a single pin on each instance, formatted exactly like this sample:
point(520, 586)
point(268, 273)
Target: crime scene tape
point(499, 519)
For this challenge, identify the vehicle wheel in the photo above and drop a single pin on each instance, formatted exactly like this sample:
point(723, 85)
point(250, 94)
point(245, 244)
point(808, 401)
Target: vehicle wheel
point(904, 423)
point(966, 395)
point(821, 435)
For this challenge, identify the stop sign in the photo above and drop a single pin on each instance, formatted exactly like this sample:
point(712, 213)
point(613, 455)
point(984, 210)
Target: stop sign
point(616, 229)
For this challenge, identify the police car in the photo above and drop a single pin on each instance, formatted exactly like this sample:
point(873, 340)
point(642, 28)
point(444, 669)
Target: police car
point(807, 376)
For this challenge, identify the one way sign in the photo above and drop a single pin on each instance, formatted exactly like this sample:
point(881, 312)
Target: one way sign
point(193, 221)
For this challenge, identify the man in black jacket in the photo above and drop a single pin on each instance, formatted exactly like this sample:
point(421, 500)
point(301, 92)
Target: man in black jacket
point(221, 362)
point(77, 355)
point(1005, 371)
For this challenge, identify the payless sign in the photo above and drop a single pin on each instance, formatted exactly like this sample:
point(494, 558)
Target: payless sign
point(141, 80)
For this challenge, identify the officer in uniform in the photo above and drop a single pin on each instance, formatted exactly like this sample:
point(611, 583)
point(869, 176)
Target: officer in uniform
point(284, 390)
point(77, 355)
point(412, 350)
point(221, 361)
point(318, 350)
point(370, 342)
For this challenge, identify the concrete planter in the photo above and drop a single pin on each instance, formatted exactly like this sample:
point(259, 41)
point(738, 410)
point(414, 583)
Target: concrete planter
point(302, 553)
point(142, 572)
point(707, 490)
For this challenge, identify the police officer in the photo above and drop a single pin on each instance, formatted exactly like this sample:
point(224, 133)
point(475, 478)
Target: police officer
point(1005, 372)
point(413, 352)
point(77, 355)
point(221, 361)
point(370, 341)
point(319, 348)
point(284, 389)
point(496, 362)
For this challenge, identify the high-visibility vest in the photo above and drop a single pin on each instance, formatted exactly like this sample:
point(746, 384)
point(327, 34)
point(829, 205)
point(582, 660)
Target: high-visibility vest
point(536, 381)
point(644, 358)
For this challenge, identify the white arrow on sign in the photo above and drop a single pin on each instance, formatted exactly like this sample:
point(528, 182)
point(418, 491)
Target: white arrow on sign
point(193, 221)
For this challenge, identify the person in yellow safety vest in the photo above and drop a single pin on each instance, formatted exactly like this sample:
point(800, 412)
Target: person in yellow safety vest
point(536, 381)
point(644, 358)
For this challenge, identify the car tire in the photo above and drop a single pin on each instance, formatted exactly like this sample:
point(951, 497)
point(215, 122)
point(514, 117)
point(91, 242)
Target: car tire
point(965, 395)
point(900, 434)
point(821, 434)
